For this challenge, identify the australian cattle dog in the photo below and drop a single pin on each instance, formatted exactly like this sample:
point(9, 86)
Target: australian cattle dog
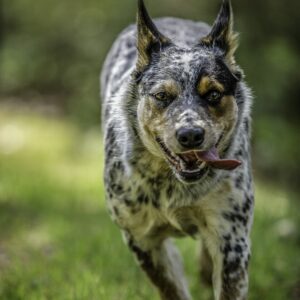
point(176, 121)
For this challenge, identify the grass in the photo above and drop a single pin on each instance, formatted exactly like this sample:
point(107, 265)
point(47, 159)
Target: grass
point(57, 241)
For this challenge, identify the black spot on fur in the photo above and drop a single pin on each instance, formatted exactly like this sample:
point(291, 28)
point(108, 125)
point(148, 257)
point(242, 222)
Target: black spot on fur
point(239, 181)
point(238, 248)
point(117, 189)
point(142, 199)
point(127, 202)
point(227, 237)
point(227, 249)
point(191, 229)
point(169, 191)
point(234, 217)
point(246, 124)
point(236, 208)
point(232, 266)
point(116, 211)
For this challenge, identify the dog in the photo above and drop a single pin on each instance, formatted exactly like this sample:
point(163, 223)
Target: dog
point(177, 126)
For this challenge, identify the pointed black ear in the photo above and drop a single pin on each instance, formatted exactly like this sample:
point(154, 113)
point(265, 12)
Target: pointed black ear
point(149, 39)
point(222, 35)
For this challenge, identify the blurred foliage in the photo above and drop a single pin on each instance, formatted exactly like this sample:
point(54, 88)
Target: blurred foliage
point(58, 242)
point(52, 52)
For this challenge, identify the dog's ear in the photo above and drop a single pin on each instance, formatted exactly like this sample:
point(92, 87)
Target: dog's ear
point(222, 35)
point(149, 39)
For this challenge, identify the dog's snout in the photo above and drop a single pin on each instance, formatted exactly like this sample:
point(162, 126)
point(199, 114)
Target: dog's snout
point(190, 138)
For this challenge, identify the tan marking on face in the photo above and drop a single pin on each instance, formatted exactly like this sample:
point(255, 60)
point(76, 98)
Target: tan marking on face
point(226, 108)
point(152, 117)
point(152, 124)
point(207, 84)
point(169, 86)
point(225, 115)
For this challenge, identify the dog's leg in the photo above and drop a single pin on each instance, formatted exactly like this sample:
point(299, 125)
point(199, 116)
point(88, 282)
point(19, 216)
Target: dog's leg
point(206, 266)
point(162, 264)
point(230, 253)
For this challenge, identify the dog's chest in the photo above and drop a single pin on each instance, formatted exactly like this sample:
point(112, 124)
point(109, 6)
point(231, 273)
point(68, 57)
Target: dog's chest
point(157, 208)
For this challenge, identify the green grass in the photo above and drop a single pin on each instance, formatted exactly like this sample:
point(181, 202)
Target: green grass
point(57, 241)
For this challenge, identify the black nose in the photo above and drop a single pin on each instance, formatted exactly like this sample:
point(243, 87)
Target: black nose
point(190, 137)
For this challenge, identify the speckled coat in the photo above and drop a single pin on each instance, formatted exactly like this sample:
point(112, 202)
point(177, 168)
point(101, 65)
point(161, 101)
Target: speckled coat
point(152, 84)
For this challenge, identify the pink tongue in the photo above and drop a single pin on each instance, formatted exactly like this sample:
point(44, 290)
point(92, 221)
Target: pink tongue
point(212, 158)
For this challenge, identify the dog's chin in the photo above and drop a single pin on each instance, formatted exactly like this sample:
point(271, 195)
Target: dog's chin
point(185, 166)
point(190, 177)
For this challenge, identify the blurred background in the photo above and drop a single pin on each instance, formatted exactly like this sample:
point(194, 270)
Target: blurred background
point(56, 240)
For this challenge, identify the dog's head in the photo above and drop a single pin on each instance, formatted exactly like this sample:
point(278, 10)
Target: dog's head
point(187, 109)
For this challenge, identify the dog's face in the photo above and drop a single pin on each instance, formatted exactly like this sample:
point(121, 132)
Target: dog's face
point(186, 101)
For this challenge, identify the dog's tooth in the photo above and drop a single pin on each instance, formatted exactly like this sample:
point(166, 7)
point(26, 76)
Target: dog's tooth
point(182, 164)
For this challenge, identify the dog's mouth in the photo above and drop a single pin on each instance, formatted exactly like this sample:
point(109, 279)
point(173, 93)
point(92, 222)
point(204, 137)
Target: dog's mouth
point(192, 165)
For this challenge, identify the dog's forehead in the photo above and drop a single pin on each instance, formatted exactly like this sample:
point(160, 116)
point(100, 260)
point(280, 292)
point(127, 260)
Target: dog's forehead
point(185, 58)
point(182, 64)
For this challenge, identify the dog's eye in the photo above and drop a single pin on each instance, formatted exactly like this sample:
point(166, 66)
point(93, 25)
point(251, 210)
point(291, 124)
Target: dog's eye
point(214, 97)
point(161, 96)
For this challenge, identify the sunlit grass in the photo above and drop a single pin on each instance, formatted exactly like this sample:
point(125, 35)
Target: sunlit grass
point(57, 241)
